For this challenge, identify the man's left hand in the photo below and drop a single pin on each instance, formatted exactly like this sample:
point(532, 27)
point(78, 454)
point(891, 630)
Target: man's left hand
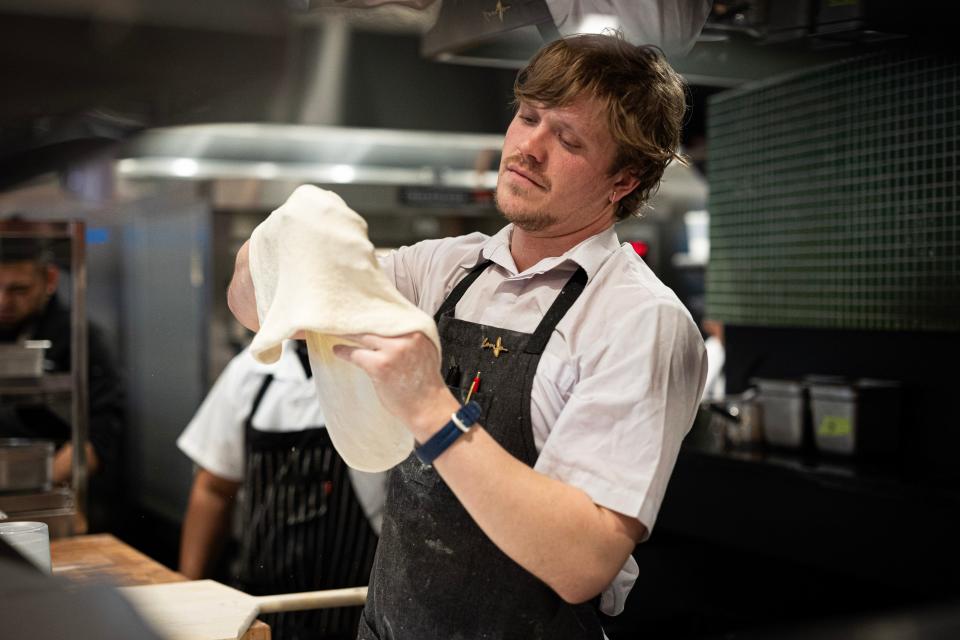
point(406, 373)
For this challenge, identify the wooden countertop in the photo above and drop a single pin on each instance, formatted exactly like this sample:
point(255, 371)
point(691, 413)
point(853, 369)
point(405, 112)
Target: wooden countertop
point(102, 559)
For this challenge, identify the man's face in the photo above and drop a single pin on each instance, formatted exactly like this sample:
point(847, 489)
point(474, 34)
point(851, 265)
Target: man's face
point(554, 171)
point(25, 288)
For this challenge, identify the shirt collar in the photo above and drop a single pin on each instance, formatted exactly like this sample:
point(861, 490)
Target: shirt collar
point(589, 254)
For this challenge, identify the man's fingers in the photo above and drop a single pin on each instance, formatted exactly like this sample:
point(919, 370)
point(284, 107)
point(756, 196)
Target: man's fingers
point(349, 352)
point(373, 341)
point(359, 356)
point(366, 340)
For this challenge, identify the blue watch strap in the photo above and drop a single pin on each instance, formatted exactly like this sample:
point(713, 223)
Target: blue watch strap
point(467, 415)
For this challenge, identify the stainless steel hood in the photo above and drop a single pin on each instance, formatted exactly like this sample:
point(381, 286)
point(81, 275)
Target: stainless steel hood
point(740, 41)
point(489, 33)
point(256, 166)
point(326, 155)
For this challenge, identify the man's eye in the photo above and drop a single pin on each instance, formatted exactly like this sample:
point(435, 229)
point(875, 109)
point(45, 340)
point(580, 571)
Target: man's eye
point(569, 144)
point(527, 119)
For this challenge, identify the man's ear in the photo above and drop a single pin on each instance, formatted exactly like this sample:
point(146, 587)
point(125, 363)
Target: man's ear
point(51, 279)
point(626, 181)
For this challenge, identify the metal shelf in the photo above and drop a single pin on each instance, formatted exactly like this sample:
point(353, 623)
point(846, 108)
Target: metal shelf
point(56, 507)
point(64, 507)
point(55, 383)
point(55, 499)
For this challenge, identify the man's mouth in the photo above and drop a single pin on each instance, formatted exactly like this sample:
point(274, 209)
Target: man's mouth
point(526, 175)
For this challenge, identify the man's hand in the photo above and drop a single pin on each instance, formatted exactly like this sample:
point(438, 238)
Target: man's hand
point(406, 373)
point(241, 297)
point(63, 463)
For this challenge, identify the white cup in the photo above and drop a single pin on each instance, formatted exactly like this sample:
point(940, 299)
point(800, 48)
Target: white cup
point(31, 539)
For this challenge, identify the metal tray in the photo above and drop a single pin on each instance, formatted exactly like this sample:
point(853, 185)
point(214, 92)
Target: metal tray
point(25, 464)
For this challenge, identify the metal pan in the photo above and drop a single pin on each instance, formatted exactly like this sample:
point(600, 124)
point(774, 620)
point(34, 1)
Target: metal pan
point(25, 464)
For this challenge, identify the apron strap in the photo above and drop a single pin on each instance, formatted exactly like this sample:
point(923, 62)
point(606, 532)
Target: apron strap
point(564, 300)
point(304, 357)
point(461, 288)
point(256, 400)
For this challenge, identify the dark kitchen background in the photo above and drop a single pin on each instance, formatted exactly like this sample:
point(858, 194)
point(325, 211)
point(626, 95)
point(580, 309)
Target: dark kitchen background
point(817, 225)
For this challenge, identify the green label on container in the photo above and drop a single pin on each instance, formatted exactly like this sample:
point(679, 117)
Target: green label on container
point(834, 427)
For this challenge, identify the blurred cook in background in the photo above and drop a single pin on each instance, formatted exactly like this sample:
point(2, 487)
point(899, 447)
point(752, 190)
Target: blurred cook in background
point(715, 386)
point(30, 310)
point(306, 520)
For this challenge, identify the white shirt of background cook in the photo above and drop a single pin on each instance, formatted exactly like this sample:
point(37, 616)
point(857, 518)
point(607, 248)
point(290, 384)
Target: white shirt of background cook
point(215, 436)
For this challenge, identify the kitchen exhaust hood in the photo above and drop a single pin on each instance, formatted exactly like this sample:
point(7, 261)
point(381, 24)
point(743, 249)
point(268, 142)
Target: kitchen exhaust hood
point(323, 155)
point(739, 42)
point(506, 34)
point(374, 169)
point(489, 33)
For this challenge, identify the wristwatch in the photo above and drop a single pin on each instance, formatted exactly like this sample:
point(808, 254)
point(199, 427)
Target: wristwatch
point(459, 423)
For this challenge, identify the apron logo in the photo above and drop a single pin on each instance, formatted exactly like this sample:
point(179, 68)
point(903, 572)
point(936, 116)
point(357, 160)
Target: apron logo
point(497, 348)
point(498, 10)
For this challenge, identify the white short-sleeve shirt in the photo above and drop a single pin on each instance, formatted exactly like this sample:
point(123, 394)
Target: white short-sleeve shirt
point(618, 384)
point(214, 438)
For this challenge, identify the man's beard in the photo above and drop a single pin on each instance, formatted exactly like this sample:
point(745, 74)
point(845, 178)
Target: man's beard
point(11, 330)
point(529, 221)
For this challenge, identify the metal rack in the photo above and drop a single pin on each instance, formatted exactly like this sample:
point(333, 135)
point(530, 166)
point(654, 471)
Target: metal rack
point(62, 508)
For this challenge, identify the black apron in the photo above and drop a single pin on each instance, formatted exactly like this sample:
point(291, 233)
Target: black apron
point(304, 528)
point(436, 574)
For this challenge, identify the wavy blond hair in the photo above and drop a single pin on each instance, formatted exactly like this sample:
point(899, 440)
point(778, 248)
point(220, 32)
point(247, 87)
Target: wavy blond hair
point(645, 101)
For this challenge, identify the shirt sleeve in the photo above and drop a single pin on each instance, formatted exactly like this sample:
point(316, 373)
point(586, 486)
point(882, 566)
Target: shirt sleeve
point(214, 437)
point(619, 434)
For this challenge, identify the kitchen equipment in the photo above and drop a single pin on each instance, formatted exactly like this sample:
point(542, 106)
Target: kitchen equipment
point(709, 431)
point(858, 417)
point(31, 540)
point(25, 464)
point(23, 359)
point(208, 610)
point(741, 417)
point(784, 411)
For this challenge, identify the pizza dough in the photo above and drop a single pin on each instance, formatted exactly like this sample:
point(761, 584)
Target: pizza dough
point(313, 269)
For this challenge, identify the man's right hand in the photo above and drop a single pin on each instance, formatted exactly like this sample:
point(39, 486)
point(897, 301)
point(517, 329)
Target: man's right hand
point(240, 294)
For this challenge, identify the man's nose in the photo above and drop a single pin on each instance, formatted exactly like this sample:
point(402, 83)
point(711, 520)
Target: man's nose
point(533, 145)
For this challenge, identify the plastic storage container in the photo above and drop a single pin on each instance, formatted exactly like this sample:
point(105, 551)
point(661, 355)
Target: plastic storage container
point(784, 411)
point(856, 418)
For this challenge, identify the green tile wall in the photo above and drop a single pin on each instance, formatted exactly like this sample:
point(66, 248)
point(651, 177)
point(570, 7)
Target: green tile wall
point(834, 197)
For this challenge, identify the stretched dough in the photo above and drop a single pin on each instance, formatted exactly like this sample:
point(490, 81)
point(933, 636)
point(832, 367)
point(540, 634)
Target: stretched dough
point(313, 269)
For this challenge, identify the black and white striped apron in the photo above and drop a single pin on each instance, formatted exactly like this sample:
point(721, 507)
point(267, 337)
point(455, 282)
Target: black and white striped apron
point(304, 528)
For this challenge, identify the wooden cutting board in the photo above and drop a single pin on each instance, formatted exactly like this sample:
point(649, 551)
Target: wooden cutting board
point(209, 610)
